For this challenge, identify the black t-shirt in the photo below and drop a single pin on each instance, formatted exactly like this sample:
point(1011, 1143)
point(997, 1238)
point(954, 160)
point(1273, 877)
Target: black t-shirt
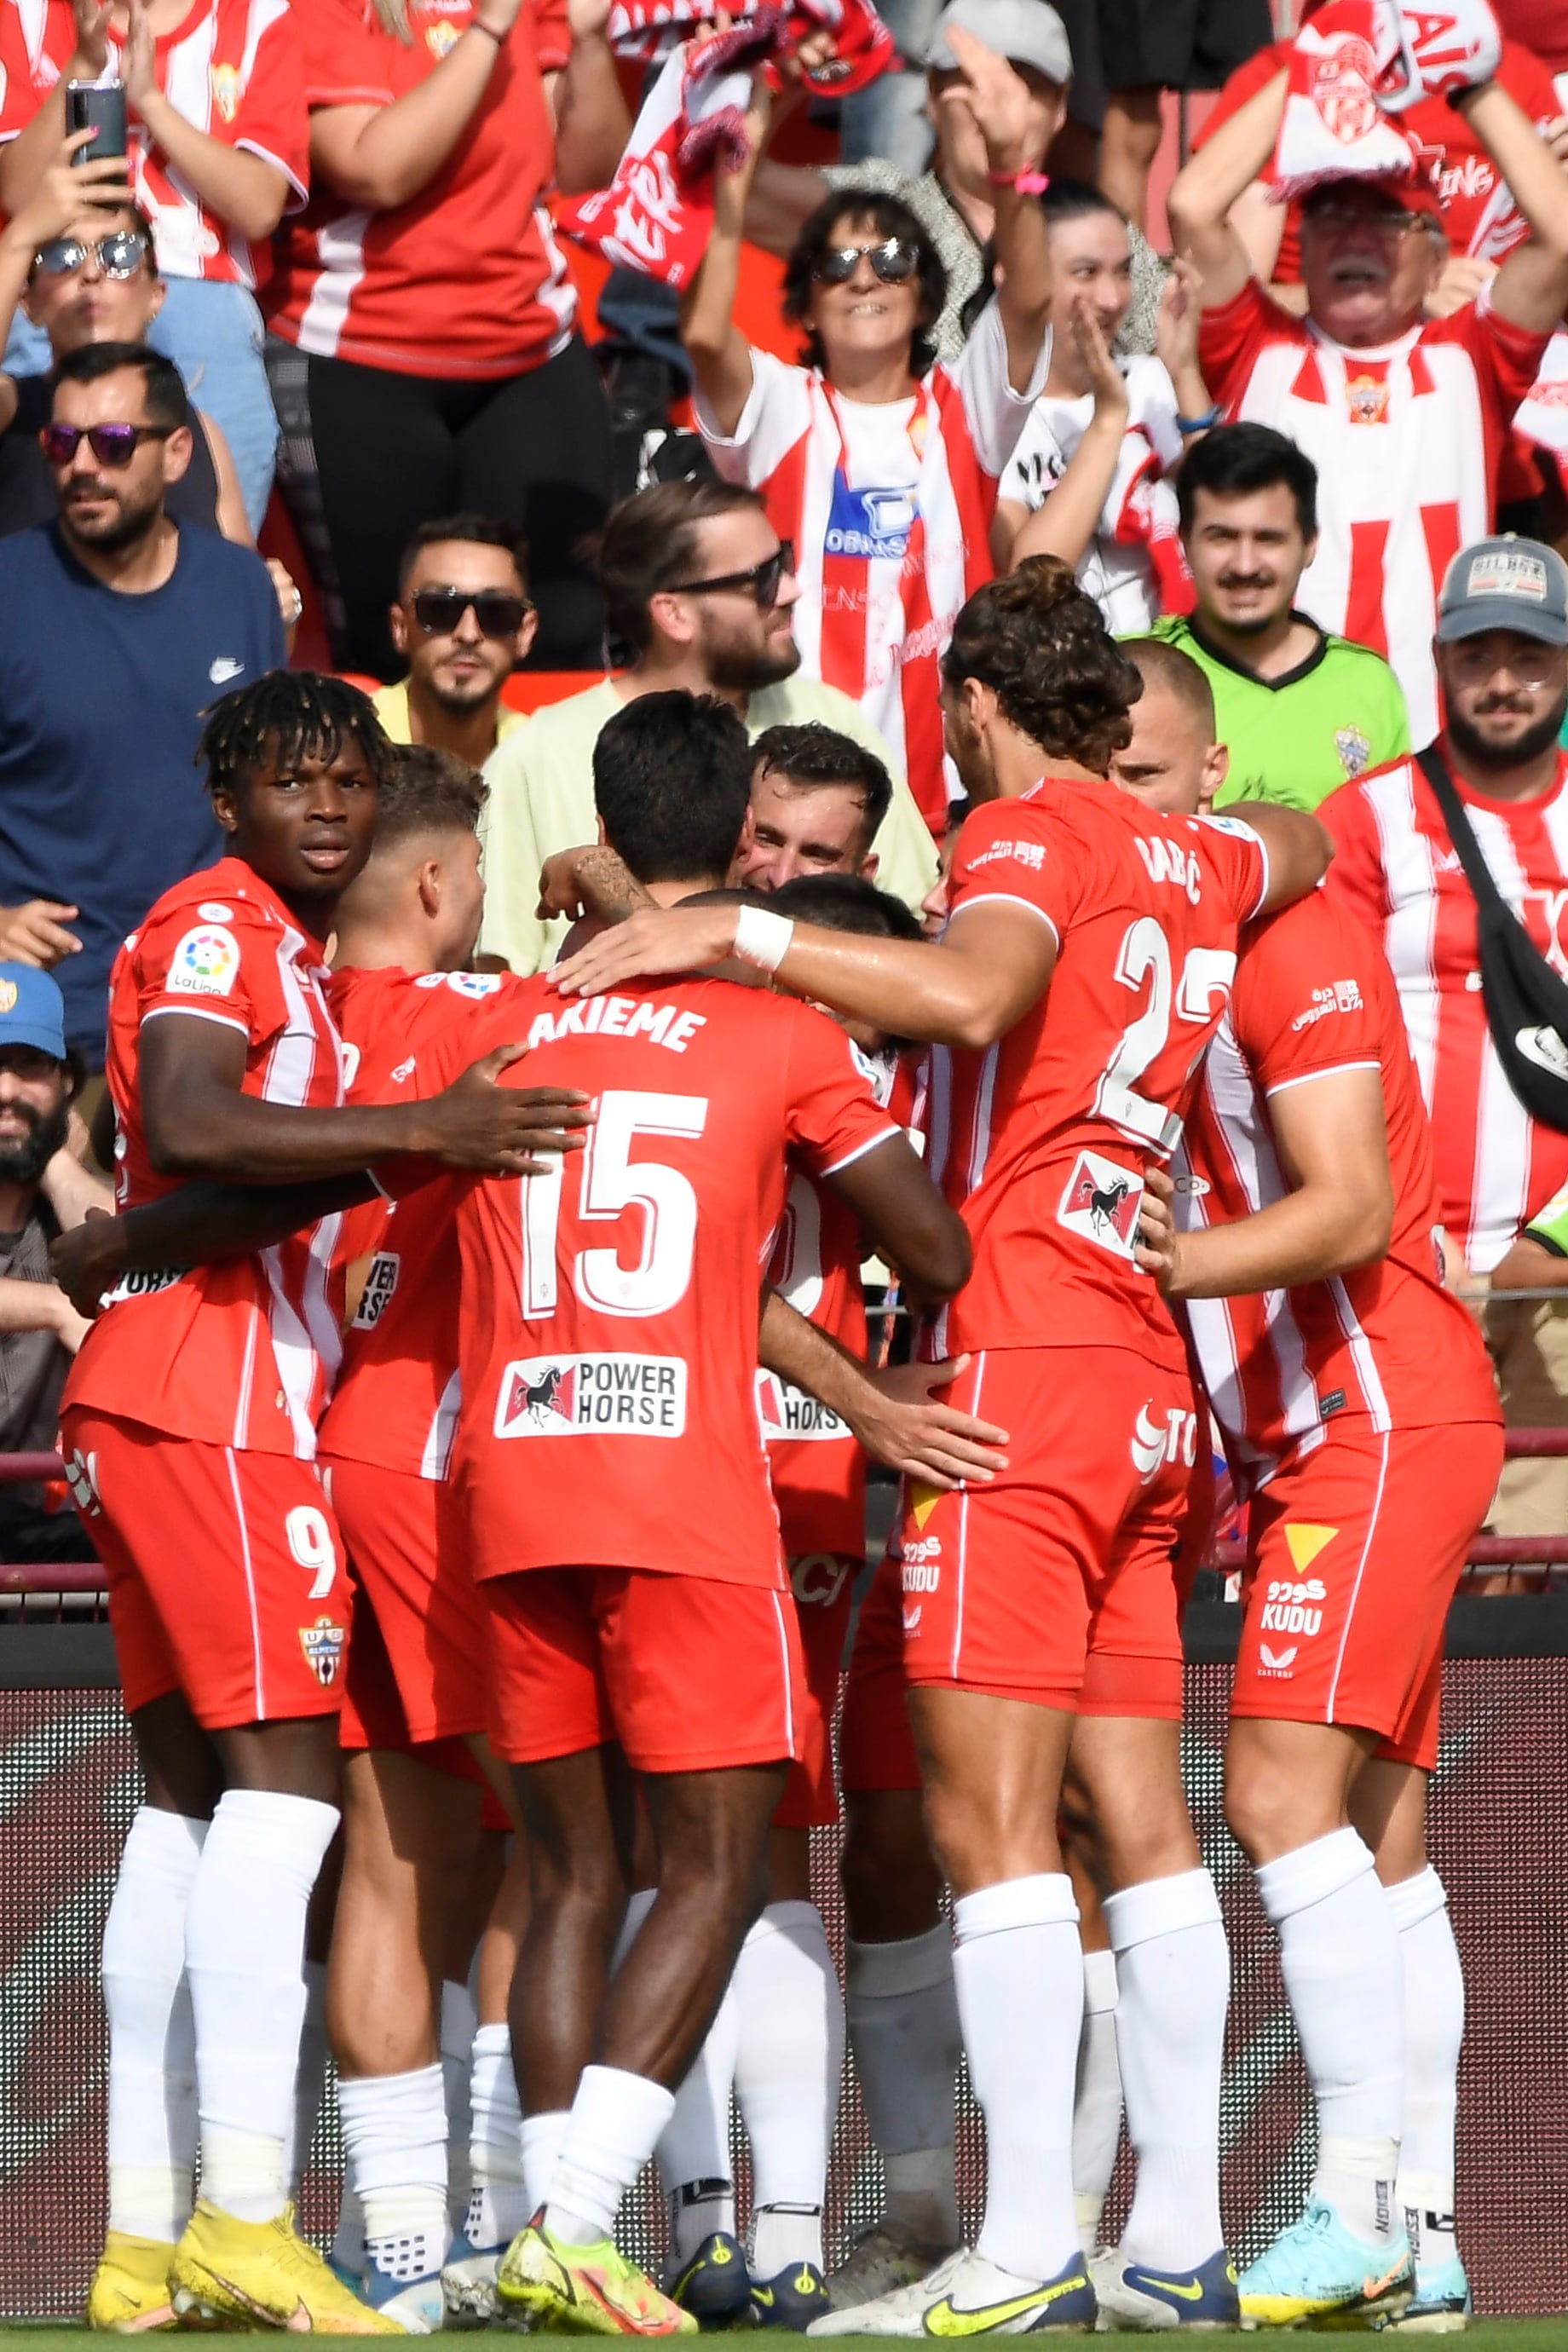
point(27, 493)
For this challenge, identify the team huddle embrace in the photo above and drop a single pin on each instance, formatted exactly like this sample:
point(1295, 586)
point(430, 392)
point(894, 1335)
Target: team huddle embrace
point(474, 1429)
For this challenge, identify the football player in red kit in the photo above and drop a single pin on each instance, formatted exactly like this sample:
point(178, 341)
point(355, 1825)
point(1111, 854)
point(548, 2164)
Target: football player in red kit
point(1361, 1420)
point(607, 1619)
point(188, 1421)
point(1085, 967)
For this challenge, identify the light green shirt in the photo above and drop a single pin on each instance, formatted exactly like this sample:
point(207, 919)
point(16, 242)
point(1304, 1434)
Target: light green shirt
point(1296, 739)
point(541, 802)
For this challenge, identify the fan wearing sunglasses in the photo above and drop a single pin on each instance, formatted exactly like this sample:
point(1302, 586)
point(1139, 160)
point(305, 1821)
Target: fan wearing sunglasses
point(881, 466)
point(77, 260)
point(463, 620)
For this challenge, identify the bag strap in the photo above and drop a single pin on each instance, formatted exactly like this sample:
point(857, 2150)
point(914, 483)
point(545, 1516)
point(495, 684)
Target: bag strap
point(1461, 832)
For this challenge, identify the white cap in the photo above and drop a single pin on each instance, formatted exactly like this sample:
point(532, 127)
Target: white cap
point(1026, 32)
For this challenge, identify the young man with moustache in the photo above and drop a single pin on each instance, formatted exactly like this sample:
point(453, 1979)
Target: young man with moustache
point(463, 620)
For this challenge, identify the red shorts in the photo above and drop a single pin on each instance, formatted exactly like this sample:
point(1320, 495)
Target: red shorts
point(689, 1675)
point(877, 1748)
point(824, 1585)
point(407, 1542)
point(372, 1717)
point(1355, 1550)
point(1005, 1584)
point(225, 1567)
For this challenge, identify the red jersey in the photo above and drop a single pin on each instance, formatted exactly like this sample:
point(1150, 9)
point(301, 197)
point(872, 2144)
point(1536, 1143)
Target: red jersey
point(241, 1353)
point(1387, 1345)
point(608, 1336)
point(1479, 216)
point(1407, 439)
point(1042, 1139)
point(466, 278)
point(396, 1403)
point(1395, 869)
point(231, 68)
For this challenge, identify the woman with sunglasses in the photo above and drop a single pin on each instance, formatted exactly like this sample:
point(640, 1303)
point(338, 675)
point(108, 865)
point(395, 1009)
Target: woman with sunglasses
point(217, 141)
point(882, 468)
point(424, 339)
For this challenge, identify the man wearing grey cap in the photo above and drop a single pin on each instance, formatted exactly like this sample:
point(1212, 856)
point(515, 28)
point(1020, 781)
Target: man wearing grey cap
point(953, 199)
point(1501, 654)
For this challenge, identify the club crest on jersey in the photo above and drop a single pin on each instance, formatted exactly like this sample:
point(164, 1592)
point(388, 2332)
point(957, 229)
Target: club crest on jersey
point(586, 1396)
point(1101, 1202)
point(1353, 748)
point(225, 89)
point(206, 962)
point(323, 1644)
point(441, 40)
point(785, 1411)
point(1366, 399)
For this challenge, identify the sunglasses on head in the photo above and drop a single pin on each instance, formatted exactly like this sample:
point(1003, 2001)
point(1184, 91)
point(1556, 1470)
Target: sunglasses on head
point(439, 610)
point(762, 581)
point(112, 444)
point(121, 253)
point(894, 262)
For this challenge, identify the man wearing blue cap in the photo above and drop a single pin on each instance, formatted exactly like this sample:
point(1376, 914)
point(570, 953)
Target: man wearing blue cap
point(43, 1189)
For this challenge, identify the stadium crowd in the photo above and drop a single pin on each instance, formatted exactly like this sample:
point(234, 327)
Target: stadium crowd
point(951, 744)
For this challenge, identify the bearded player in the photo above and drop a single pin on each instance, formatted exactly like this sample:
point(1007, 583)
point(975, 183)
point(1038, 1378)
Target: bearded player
point(1361, 1422)
point(1084, 968)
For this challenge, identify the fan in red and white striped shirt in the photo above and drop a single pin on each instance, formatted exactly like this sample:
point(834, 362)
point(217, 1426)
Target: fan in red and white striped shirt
point(1404, 417)
point(883, 475)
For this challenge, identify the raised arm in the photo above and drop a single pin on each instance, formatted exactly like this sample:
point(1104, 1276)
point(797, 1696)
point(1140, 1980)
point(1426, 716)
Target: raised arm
point(587, 104)
point(244, 190)
point(1209, 184)
point(24, 158)
point(82, 197)
point(905, 1218)
point(1531, 290)
point(892, 1413)
point(1067, 518)
point(719, 354)
point(380, 156)
point(998, 98)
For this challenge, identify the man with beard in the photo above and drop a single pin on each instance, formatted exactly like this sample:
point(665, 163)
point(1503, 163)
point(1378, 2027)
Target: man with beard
point(44, 1191)
point(464, 620)
point(1501, 653)
point(700, 588)
point(1300, 711)
point(118, 626)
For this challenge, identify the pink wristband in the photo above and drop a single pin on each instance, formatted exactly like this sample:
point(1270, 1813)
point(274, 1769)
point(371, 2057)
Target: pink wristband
point(1027, 184)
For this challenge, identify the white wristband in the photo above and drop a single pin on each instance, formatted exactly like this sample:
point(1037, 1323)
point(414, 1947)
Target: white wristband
point(762, 938)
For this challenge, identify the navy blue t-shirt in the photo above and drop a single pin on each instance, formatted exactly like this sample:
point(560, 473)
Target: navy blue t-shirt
point(101, 699)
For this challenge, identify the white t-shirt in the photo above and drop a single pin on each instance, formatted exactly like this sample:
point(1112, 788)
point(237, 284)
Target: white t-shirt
point(1115, 571)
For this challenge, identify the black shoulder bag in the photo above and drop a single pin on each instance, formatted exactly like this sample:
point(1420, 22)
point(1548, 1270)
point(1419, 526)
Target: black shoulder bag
point(1526, 999)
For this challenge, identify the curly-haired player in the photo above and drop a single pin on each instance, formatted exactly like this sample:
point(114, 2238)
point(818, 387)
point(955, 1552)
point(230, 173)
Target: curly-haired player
point(1083, 971)
point(189, 1425)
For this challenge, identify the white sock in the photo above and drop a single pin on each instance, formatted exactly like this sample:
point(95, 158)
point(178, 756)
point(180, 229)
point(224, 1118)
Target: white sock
point(1339, 1954)
point(395, 2144)
point(543, 2137)
point(1434, 2031)
point(309, 2077)
point(348, 2238)
point(617, 2118)
point(459, 2024)
point(902, 2015)
point(1097, 2099)
point(789, 2065)
point(152, 2040)
point(1172, 1971)
point(498, 2202)
point(1019, 1970)
point(245, 1942)
point(693, 2150)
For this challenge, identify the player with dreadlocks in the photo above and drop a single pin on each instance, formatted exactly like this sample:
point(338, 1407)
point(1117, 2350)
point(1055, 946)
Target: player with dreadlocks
point(189, 1423)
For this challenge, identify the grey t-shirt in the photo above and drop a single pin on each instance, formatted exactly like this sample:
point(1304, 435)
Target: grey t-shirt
point(33, 1367)
point(966, 262)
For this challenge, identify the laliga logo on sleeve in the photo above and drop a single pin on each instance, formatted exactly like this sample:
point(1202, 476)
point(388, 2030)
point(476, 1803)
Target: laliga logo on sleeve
point(206, 962)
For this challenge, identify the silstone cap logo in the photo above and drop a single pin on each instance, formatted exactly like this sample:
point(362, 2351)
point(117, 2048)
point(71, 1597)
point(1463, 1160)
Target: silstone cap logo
point(1508, 571)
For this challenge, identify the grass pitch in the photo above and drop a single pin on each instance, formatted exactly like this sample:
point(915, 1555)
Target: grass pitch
point(1483, 2336)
